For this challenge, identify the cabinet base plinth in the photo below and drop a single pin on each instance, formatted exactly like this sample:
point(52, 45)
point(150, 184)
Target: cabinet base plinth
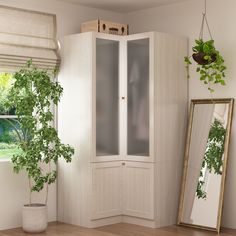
point(123, 219)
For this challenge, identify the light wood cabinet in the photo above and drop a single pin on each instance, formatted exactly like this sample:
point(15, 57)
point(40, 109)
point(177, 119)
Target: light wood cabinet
point(124, 109)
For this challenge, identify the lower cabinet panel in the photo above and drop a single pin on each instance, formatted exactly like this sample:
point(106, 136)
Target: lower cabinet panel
point(122, 188)
point(138, 190)
point(106, 189)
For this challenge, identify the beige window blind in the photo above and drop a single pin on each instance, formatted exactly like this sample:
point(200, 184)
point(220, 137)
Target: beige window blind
point(27, 34)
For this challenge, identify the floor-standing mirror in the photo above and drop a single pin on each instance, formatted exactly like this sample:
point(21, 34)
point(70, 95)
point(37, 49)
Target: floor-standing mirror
point(205, 163)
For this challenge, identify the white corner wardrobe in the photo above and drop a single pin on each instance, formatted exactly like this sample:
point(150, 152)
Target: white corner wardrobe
point(124, 110)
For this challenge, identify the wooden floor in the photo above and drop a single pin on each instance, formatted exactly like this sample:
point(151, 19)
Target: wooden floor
point(59, 229)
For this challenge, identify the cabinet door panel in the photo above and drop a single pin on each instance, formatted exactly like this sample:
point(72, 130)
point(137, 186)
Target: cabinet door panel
point(107, 97)
point(106, 189)
point(138, 97)
point(138, 190)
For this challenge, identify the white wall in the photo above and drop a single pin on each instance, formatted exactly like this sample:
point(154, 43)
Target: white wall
point(185, 19)
point(69, 15)
point(14, 194)
point(13, 188)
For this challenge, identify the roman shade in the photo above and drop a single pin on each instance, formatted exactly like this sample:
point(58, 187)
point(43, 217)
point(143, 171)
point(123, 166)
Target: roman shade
point(27, 35)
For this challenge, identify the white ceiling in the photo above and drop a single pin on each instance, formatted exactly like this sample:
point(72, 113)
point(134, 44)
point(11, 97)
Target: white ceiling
point(123, 5)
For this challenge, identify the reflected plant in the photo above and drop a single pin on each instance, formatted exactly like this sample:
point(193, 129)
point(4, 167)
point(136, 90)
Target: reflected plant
point(200, 187)
point(213, 158)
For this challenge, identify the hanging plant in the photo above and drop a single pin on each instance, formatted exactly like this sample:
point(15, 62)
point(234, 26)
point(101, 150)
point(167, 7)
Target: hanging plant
point(211, 66)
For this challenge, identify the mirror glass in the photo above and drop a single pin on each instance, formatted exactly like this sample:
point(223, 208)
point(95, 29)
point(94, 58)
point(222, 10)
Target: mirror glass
point(205, 162)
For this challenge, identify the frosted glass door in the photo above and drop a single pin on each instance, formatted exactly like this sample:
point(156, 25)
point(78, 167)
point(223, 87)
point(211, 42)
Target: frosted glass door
point(138, 97)
point(107, 94)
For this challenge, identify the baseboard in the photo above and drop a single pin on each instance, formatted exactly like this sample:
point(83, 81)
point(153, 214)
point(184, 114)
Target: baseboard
point(139, 221)
point(119, 219)
point(106, 221)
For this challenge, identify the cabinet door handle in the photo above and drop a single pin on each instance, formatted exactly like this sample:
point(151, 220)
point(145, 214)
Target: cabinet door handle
point(123, 98)
point(123, 163)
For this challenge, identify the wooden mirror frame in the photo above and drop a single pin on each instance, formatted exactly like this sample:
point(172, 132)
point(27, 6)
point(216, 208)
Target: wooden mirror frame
point(194, 102)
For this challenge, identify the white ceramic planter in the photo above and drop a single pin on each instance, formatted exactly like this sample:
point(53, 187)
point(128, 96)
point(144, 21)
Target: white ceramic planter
point(34, 218)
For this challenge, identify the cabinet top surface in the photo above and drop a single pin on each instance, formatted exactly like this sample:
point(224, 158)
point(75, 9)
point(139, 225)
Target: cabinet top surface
point(126, 37)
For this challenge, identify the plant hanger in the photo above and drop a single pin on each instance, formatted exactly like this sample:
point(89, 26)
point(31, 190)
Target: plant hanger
point(205, 21)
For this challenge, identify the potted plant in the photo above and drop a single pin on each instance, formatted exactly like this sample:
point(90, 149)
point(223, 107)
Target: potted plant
point(32, 96)
point(210, 63)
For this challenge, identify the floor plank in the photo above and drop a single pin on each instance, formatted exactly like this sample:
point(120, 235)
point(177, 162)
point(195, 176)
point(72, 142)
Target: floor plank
point(60, 229)
point(134, 230)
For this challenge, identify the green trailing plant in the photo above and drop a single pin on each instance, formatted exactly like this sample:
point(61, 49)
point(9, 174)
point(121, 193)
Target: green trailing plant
point(32, 96)
point(213, 160)
point(211, 66)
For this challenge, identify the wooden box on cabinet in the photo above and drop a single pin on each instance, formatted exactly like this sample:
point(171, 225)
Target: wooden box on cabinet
point(105, 27)
point(124, 109)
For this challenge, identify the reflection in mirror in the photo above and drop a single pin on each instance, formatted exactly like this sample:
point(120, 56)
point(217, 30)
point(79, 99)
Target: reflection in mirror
point(206, 149)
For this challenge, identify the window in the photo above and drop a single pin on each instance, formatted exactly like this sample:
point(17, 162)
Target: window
point(10, 132)
point(36, 40)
